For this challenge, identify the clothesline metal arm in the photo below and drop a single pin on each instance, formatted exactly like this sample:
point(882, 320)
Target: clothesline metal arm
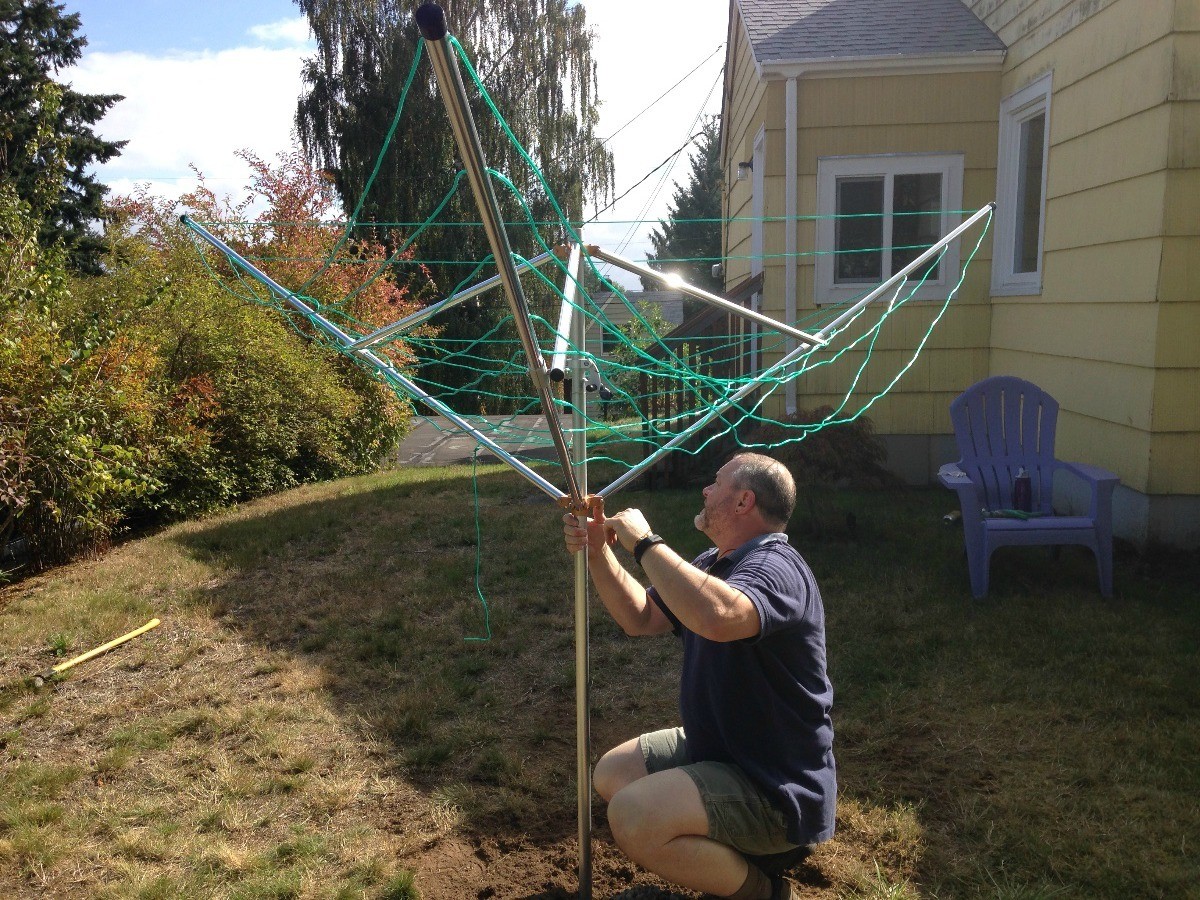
point(381, 365)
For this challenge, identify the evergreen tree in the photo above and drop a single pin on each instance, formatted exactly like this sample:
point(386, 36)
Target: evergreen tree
point(692, 232)
point(37, 39)
point(534, 56)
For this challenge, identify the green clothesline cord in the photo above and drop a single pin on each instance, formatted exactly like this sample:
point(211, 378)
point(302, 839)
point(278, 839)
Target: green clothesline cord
point(557, 223)
point(392, 261)
point(487, 614)
point(499, 369)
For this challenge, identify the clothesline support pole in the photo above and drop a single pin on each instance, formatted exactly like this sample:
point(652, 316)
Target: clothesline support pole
point(583, 675)
point(431, 21)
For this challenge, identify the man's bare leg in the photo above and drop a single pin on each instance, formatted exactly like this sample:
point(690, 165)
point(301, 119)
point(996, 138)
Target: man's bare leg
point(659, 821)
point(620, 766)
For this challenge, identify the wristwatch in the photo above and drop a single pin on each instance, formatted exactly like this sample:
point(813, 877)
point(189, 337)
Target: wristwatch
point(640, 548)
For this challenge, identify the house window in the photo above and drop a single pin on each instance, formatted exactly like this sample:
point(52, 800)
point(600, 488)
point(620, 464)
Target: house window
point(1021, 190)
point(878, 214)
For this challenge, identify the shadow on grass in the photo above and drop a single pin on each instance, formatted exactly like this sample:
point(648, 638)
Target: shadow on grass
point(1039, 741)
point(377, 587)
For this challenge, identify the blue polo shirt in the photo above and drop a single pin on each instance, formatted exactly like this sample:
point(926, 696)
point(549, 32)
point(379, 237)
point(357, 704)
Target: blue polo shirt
point(763, 703)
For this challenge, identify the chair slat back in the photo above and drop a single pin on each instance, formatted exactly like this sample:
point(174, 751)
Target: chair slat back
point(1001, 424)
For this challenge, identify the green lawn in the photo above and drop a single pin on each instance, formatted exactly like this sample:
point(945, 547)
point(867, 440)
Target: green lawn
point(311, 719)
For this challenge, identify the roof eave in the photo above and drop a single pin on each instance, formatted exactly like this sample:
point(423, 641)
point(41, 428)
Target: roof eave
point(896, 64)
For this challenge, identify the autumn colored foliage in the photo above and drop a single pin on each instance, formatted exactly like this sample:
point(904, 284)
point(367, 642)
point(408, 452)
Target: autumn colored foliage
point(155, 391)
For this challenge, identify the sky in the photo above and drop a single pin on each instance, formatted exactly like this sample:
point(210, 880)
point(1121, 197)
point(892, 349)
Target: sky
point(202, 80)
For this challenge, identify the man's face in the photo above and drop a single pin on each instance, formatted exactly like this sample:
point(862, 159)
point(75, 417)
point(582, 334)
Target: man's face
point(719, 498)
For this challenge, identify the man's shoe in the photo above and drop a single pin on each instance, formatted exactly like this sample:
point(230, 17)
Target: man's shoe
point(781, 888)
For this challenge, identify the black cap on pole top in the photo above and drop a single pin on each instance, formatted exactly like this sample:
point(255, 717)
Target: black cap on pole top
point(432, 21)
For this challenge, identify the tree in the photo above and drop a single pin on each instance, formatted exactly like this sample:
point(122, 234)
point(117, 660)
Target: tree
point(36, 40)
point(689, 240)
point(253, 404)
point(535, 58)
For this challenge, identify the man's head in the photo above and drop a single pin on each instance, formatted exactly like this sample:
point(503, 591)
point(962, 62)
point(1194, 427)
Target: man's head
point(751, 494)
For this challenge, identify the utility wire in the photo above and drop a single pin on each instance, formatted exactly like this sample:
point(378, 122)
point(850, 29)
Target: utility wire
point(632, 232)
point(662, 96)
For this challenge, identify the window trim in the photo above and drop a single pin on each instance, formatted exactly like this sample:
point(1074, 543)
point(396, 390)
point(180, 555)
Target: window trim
point(887, 165)
point(758, 200)
point(1015, 110)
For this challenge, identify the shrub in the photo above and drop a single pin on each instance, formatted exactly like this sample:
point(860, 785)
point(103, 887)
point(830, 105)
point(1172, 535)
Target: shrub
point(250, 405)
point(152, 390)
point(76, 406)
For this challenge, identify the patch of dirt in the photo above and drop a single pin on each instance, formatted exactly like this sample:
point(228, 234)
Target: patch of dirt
point(458, 868)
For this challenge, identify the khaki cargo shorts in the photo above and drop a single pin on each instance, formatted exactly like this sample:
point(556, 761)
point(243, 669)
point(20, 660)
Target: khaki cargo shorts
point(739, 814)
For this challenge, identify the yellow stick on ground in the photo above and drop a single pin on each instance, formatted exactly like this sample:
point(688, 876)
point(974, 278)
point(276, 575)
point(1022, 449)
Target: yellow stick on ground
point(84, 657)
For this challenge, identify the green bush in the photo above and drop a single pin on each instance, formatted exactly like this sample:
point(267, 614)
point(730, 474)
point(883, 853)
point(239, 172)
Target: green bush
point(248, 406)
point(76, 406)
point(151, 391)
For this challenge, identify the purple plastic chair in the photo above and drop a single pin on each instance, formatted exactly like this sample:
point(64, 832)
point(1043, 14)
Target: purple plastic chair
point(1003, 424)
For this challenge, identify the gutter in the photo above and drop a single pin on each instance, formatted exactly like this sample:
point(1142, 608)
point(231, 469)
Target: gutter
point(895, 64)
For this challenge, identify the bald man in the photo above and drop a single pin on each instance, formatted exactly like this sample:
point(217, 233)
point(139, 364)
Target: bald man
point(750, 773)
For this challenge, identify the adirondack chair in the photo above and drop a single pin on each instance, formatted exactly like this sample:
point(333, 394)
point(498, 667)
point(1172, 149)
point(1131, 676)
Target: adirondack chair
point(1003, 424)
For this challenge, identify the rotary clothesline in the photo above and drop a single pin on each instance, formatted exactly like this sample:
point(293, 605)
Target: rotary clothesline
point(542, 352)
point(715, 396)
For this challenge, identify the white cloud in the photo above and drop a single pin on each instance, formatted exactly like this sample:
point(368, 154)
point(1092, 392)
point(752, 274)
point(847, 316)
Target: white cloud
point(285, 31)
point(193, 109)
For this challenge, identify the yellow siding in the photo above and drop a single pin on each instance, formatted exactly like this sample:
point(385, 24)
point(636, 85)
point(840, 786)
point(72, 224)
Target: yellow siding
point(1184, 143)
point(1112, 152)
point(1176, 464)
point(976, 139)
point(1115, 332)
point(1175, 451)
point(1180, 281)
point(1122, 272)
point(1175, 406)
point(1181, 212)
point(1125, 88)
point(899, 99)
point(1179, 336)
point(1076, 38)
point(1118, 211)
point(1099, 442)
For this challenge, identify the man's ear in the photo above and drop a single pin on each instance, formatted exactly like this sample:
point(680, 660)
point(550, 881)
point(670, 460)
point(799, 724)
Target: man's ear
point(746, 501)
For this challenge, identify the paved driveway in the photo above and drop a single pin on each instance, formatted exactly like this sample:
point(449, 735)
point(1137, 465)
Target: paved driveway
point(442, 444)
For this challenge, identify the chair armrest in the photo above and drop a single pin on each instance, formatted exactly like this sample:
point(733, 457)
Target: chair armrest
point(954, 478)
point(1092, 474)
point(1103, 483)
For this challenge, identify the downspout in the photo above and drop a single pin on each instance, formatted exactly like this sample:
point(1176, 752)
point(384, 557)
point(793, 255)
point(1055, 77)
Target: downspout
point(791, 211)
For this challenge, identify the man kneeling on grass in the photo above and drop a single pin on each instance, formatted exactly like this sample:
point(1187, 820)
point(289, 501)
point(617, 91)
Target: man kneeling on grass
point(750, 774)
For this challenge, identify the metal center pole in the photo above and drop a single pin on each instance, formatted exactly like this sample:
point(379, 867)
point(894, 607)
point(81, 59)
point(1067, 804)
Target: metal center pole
point(583, 676)
point(431, 20)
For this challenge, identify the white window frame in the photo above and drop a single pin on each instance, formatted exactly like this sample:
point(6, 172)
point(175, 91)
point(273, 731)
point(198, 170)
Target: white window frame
point(1014, 112)
point(887, 166)
point(758, 200)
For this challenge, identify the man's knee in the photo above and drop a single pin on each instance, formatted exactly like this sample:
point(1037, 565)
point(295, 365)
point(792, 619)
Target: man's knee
point(631, 820)
point(653, 811)
point(620, 766)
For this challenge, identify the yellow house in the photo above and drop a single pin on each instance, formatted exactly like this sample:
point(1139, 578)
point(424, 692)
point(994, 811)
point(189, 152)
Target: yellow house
point(1081, 119)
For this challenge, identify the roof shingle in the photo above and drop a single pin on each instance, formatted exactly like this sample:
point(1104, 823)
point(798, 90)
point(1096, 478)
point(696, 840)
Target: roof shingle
point(800, 30)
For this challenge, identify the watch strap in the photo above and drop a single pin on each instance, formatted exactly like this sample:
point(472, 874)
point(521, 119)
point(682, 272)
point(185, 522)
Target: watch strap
point(640, 548)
